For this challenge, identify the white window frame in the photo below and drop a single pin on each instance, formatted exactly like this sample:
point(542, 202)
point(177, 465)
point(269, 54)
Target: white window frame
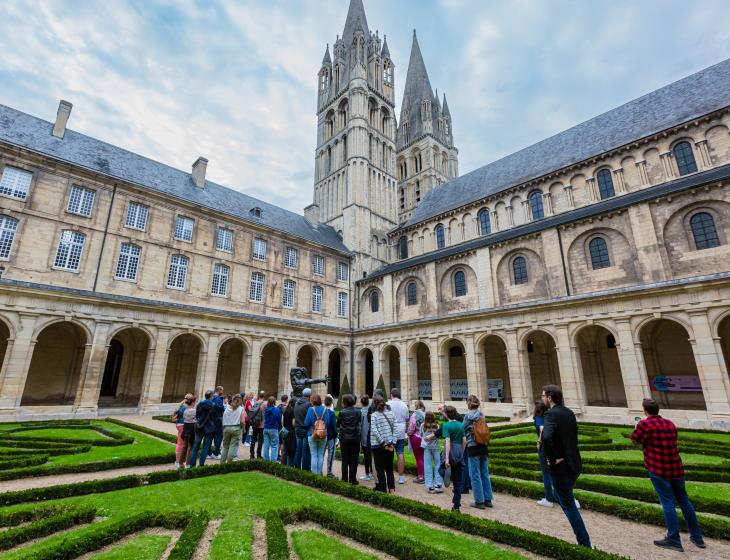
point(291, 257)
point(71, 253)
point(259, 249)
point(289, 294)
point(318, 270)
point(8, 229)
point(181, 230)
point(136, 213)
point(256, 289)
point(128, 261)
point(178, 270)
point(15, 182)
point(219, 284)
point(317, 299)
point(81, 201)
point(342, 304)
point(343, 271)
point(224, 239)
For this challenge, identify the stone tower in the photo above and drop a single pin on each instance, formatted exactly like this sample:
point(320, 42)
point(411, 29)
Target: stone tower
point(426, 156)
point(354, 176)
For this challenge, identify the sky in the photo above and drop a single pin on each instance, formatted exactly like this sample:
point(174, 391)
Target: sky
point(236, 80)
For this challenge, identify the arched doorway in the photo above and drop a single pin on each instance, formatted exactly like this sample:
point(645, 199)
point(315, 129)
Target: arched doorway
point(421, 358)
point(601, 368)
point(55, 367)
point(723, 332)
point(368, 371)
point(542, 358)
point(305, 359)
point(121, 384)
point(392, 363)
point(457, 387)
point(670, 364)
point(270, 366)
point(229, 372)
point(334, 370)
point(494, 353)
point(4, 336)
point(182, 368)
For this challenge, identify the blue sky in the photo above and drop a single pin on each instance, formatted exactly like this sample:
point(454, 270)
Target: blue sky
point(235, 80)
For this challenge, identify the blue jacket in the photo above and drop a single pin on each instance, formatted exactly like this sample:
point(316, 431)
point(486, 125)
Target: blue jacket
point(272, 418)
point(329, 419)
point(205, 409)
point(219, 406)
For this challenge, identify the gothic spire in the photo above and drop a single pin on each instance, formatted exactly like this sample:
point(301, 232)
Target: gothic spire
point(385, 52)
point(355, 13)
point(417, 89)
point(445, 108)
point(327, 61)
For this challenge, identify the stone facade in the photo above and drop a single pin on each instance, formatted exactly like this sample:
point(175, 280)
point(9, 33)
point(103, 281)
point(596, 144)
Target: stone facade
point(125, 283)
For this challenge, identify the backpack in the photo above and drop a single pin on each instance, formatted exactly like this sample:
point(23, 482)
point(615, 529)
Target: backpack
point(481, 432)
point(254, 413)
point(320, 428)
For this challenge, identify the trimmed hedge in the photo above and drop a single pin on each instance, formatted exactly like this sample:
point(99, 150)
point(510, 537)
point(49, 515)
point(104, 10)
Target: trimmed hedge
point(46, 526)
point(145, 430)
point(277, 546)
point(19, 462)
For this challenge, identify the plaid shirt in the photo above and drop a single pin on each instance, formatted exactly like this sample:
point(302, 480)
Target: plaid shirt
point(658, 437)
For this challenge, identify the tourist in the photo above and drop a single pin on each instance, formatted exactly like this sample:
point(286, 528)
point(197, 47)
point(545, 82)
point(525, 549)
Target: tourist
point(177, 417)
point(204, 429)
point(400, 414)
point(559, 442)
point(349, 423)
point(287, 439)
point(302, 457)
point(219, 404)
point(454, 444)
point(430, 430)
point(477, 438)
point(365, 438)
point(465, 481)
point(272, 425)
point(538, 415)
point(233, 420)
point(331, 421)
point(316, 438)
point(247, 404)
point(657, 437)
point(383, 439)
point(256, 421)
point(414, 438)
point(188, 431)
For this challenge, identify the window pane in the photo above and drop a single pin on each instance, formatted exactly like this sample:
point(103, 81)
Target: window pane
point(288, 297)
point(485, 227)
point(81, 200)
point(605, 184)
point(411, 293)
point(704, 231)
point(8, 226)
point(136, 216)
point(685, 158)
point(184, 228)
point(318, 264)
point(341, 304)
point(317, 299)
point(599, 253)
point(342, 271)
point(440, 238)
point(70, 248)
point(374, 302)
point(536, 205)
point(519, 270)
point(15, 182)
point(259, 249)
point(128, 262)
point(224, 240)
point(403, 247)
point(256, 293)
point(220, 280)
point(459, 284)
point(290, 257)
point(177, 275)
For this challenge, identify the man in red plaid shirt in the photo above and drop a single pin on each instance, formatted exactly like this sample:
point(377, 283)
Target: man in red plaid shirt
point(657, 437)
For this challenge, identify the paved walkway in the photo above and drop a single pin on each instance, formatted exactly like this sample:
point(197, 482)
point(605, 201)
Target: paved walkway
point(608, 533)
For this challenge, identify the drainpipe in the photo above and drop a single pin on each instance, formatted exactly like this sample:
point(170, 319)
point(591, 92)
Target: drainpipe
point(562, 259)
point(103, 239)
point(352, 332)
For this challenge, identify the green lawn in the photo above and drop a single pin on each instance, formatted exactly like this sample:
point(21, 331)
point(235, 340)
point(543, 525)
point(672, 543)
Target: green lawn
point(311, 545)
point(58, 433)
point(713, 490)
point(142, 547)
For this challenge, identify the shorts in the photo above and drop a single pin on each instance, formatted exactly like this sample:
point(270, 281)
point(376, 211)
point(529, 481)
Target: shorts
point(400, 446)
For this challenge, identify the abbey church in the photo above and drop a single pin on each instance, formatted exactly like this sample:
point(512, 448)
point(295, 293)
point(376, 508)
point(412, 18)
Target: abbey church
point(597, 259)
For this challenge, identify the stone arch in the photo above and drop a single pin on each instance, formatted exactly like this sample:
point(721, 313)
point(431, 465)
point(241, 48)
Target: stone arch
point(446, 287)
point(670, 364)
point(622, 261)
point(542, 359)
point(6, 335)
point(183, 363)
point(272, 361)
point(42, 325)
point(390, 358)
point(600, 365)
point(366, 300)
point(494, 356)
point(308, 357)
point(55, 367)
point(336, 371)
point(419, 357)
point(366, 369)
point(124, 367)
point(723, 334)
point(536, 286)
point(718, 143)
point(456, 387)
point(229, 373)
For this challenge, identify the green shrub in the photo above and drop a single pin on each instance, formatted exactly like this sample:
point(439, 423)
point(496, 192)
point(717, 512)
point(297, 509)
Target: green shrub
point(277, 547)
point(145, 430)
point(46, 526)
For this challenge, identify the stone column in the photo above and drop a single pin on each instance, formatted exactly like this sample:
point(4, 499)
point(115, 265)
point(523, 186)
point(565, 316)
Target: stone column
point(510, 217)
point(385, 371)
point(668, 166)
point(408, 386)
point(592, 189)
point(569, 196)
point(547, 200)
point(704, 160)
point(643, 175)
point(618, 179)
point(437, 393)
point(519, 377)
point(254, 371)
point(92, 370)
point(475, 379)
point(569, 377)
point(208, 365)
point(494, 221)
point(245, 366)
point(17, 362)
point(154, 375)
point(636, 382)
point(287, 362)
point(709, 367)
point(527, 211)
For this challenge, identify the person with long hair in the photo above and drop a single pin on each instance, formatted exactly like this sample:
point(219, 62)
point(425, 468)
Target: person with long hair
point(288, 438)
point(365, 438)
point(431, 453)
point(177, 416)
point(477, 460)
point(414, 438)
point(538, 418)
point(233, 420)
point(349, 423)
point(383, 438)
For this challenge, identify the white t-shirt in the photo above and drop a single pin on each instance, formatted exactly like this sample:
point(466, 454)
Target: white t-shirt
point(400, 412)
point(232, 417)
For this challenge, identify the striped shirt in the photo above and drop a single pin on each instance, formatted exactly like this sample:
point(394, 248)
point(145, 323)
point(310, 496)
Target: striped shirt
point(382, 427)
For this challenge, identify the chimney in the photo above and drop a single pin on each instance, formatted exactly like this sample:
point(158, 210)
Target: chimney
point(199, 168)
point(311, 214)
point(64, 112)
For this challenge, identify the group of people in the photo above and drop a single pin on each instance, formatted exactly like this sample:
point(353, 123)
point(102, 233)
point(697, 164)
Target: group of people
point(450, 449)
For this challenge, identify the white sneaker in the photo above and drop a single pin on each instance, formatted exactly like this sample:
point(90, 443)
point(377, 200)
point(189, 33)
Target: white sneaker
point(402, 479)
point(366, 477)
point(577, 504)
point(545, 503)
point(217, 457)
point(177, 465)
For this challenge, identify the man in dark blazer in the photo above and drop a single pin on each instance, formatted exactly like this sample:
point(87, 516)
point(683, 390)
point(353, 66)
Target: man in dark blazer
point(559, 442)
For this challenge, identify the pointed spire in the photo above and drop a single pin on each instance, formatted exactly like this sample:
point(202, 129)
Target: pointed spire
point(445, 109)
point(354, 13)
point(436, 103)
point(327, 61)
point(385, 52)
point(418, 86)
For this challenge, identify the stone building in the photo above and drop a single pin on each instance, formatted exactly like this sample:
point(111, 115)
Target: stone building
point(597, 259)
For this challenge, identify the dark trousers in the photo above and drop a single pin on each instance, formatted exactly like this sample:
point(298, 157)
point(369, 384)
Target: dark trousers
point(218, 436)
point(563, 486)
point(368, 454)
point(350, 451)
point(465, 478)
point(201, 440)
point(547, 481)
point(302, 458)
point(669, 490)
point(384, 469)
point(457, 474)
point(257, 441)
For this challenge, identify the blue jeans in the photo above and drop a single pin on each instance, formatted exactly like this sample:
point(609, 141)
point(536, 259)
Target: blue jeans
point(465, 476)
point(669, 490)
point(547, 480)
point(431, 461)
point(563, 485)
point(271, 444)
point(316, 450)
point(302, 458)
point(218, 436)
point(480, 483)
point(331, 447)
point(205, 440)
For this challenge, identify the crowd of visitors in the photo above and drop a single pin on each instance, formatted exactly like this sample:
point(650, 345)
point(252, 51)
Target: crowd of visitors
point(450, 449)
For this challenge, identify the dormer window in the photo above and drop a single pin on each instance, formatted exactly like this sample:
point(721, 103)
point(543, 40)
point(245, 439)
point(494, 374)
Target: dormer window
point(255, 212)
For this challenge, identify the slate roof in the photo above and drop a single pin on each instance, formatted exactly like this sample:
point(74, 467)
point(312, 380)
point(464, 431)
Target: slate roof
point(699, 94)
point(355, 12)
point(20, 129)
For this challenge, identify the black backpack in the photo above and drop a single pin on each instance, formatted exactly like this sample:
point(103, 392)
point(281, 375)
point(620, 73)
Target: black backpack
point(254, 413)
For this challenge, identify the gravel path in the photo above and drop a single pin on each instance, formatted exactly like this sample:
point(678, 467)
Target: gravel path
point(608, 533)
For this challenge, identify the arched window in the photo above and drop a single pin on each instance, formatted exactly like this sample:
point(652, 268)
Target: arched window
point(685, 158)
point(605, 184)
point(403, 247)
point(459, 283)
point(704, 231)
point(485, 227)
point(440, 237)
point(599, 253)
point(374, 301)
point(411, 293)
point(536, 205)
point(519, 270)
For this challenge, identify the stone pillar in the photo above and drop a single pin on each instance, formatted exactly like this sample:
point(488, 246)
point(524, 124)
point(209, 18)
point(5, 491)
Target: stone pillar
point(358, 384)
point(668, 165)
point(510, 217)
point(569, 377)
point(92, 370)
point(519, 377)
point(643, 175)
point(475, 379)
point(547, 200)
point(633, 373)
point(592, 189)
point(17, 362)
point(288, 361)
point(408, 385)
point(208, 365)
point(569, 196)
point(526, 211)
point(618, 179)
point(245, 367)
point(709, 367)
point(437, 393)
point(495, 220)
point(254, 372)
point(154, 375)
point(704, 160)
point(384, 369)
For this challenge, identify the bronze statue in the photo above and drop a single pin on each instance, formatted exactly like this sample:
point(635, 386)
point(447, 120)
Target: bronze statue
point(299, 381)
